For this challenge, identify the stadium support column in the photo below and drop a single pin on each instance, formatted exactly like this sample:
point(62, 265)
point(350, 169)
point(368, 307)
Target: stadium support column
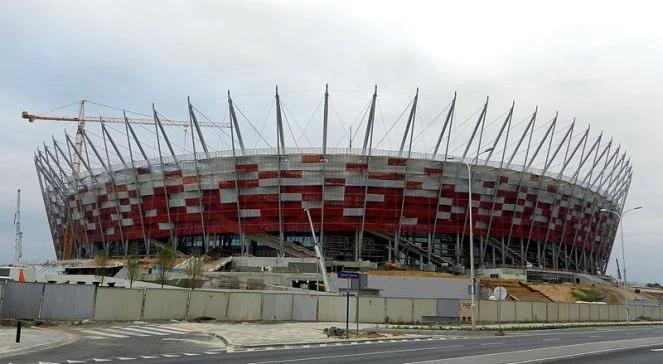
point(448, 122)
point(582, 212)
point(528, 129)
point(567, 159)
point(79, 204)
point(50, 175)
point(505, 125)
point(367, 151)
point(280, 146)
point(113, 185)
point(480, 122)
point(325, 117)
point(64, 190)
point(158, 126)
point(408, 129)
point(70, 146)
point(49, 216)
point(235, 125)
point(194, 123)
point(563, 240)
point(129, 130)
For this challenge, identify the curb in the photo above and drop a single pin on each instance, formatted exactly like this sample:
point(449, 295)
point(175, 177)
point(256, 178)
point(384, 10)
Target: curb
point(230, 346)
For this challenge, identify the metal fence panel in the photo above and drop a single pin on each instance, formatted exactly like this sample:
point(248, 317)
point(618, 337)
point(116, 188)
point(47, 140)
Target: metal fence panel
point(2, 288)
point(22, 300)
point(68, 302)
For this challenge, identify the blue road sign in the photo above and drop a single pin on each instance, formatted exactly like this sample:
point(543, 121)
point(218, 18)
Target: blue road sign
point(347, 275)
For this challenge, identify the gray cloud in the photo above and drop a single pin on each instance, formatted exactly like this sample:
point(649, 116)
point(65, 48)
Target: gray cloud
point(597, 61)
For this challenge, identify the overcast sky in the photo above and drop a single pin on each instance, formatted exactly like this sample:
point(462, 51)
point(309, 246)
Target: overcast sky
point(600, 62)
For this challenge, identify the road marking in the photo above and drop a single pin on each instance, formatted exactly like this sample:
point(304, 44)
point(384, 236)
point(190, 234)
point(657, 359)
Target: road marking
point(184, 331)
point(656, 350)
point(497, 343)
point(124, 358)
point(190, 354)
point(170, 355)
point(93, 332)
point(595, 336)
point(148, 357)
point(323, 345)
point(100, 360)
point(75, 361)
point(144, 331)
point(358, 354)
point(155, 328)
point(552, 339)
point(121, 331)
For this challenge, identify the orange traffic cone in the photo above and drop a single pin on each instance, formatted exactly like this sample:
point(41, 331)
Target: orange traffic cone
point(21, 276)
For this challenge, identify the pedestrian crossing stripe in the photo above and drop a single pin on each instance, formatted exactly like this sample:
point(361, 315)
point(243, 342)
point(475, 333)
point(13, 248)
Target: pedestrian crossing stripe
point(123, 332)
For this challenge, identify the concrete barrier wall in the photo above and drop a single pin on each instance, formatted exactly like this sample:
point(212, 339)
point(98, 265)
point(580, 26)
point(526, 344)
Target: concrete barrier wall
point(332, 308)
point(208, 304)
point(304, 307)
point(277, 306)
point(399, 310)
point(465, 309)
point(372, 309)
point(60, 302)
point(540, 312)
point(165, 304)
point(593, 312)
point(552, 309)
point(604, 313)
point(524, 311)
point(423, 307)
point(564, 312)
point(244, 306)
point(488, 311)
point(448, 309)
point(118, 304)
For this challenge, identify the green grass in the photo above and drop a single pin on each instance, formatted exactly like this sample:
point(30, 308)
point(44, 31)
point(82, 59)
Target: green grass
point(587, 295)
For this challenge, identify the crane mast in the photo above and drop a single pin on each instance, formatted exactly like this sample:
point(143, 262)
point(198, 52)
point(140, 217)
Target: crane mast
point(18, 237)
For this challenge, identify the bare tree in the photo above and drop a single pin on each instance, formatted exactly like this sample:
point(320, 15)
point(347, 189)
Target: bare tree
point(134, 266)
point(166, 262)
point(194, 269)
point(101, 262)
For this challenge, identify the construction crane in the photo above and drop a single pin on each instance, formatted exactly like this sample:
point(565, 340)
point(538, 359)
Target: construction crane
point(18, 237)
point(81, 119)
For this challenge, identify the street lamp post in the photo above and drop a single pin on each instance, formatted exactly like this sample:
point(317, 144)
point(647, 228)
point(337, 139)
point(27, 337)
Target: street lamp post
point(621, 233)
point(473, 284)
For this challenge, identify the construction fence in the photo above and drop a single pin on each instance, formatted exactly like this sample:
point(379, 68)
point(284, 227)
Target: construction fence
point(43, 301)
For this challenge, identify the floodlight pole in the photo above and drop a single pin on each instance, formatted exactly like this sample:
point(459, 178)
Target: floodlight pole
point(318, 252)
point(621, 229)
point(469, 211)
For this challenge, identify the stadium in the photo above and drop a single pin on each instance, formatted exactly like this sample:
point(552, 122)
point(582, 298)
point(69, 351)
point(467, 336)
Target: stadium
point(528, 194)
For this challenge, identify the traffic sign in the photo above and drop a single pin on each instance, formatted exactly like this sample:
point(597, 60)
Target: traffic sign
point(500, 293)
point(347, 275)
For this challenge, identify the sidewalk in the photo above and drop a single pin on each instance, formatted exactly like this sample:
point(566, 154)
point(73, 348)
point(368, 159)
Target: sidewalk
point(32, 339)
point(251, 335)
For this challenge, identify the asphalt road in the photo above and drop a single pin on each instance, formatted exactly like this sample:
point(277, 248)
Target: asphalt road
point(200, 348)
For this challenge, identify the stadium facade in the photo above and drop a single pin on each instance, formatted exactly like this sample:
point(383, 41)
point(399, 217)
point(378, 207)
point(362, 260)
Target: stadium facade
point(365, 203)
